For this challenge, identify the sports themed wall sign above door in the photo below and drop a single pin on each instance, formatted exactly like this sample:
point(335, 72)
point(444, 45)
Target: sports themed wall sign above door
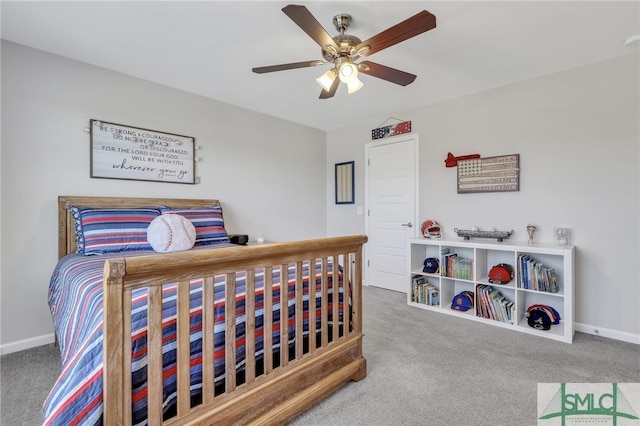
point(123, 152)
point(490, 174)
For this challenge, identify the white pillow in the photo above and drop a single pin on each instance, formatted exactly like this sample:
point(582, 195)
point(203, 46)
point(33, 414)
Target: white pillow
point(171, 232)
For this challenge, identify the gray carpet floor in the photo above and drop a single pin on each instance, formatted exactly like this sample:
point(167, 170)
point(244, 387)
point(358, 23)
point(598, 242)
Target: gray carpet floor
point(424, 368)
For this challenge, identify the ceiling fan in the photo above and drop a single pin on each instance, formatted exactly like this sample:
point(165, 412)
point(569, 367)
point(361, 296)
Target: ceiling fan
point(343, 50)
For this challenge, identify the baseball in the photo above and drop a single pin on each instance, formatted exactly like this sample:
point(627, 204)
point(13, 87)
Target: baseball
point(171, 232)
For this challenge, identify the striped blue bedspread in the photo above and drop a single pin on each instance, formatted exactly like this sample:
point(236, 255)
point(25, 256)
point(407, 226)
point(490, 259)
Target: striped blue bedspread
point(75, 300)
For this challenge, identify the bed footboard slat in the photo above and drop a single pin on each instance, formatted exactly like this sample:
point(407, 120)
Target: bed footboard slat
point(312, 305)
point(284, 314)
point(250, 324)
point(267, 334)
point(335, 298)
point(184, 347)
point(346, 291)
point(154, 355)
point(230, 332)
point(299, 310)
point(325, 302)
point(208, 373)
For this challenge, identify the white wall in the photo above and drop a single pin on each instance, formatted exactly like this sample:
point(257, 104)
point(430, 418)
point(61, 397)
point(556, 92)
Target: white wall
point(346, 145)
point(268, 173)
point(578, 136)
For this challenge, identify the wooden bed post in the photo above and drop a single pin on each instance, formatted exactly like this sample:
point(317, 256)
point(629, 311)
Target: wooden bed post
point(113, 345)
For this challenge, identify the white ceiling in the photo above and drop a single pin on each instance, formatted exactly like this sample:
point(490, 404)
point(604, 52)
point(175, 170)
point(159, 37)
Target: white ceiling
point(209, 47)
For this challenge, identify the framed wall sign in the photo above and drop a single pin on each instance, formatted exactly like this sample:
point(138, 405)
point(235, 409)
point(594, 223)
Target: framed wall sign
point(345, 183)
point(490, 174)
point(124, 152)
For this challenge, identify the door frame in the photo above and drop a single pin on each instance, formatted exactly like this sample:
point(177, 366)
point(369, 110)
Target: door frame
point(415, 139)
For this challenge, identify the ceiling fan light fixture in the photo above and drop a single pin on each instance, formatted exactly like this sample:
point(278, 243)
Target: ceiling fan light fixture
point(326, 80)
point(348, 72)
point(354, 85)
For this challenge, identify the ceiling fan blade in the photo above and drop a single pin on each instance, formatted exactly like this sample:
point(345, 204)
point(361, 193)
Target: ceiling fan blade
point(386, 73)
point(305, 20)
point(282, 67)
point(417, 24)
point(326, 94)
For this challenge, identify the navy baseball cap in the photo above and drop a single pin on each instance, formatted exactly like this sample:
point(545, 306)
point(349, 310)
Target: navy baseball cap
point(431, 265)
point(462, 301)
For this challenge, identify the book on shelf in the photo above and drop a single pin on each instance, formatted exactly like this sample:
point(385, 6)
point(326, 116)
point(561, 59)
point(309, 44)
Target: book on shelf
point(461, 268)
point(423, 292)
point(491, 304)
point(552, 280)
point(534, 275)
point(478, 304)
point(443, 261)
point(448, 264)
point(417, 282)
point(454, 266)
point(434, 296)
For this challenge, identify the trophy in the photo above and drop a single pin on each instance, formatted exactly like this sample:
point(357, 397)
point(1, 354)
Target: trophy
point(531, 229)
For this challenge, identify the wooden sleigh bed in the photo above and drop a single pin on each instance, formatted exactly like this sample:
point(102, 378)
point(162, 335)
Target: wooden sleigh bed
point(239, 374)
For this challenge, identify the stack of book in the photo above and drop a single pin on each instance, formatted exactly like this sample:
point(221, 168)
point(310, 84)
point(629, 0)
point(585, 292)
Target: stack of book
point(453, 266)
point(423, 292)
point(491, 304)
point(534, 275)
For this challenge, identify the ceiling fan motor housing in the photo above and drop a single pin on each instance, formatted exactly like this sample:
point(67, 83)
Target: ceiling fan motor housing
point(345, 42)
point(342, 22)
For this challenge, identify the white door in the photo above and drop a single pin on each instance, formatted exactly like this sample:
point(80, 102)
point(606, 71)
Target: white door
point(391, 205)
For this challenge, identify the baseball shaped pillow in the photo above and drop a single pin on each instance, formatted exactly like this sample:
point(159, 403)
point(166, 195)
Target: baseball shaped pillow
point(171, 232)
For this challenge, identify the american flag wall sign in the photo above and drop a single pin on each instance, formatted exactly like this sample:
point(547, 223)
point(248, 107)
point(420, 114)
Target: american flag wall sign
point(491, 174)
point(391, 130)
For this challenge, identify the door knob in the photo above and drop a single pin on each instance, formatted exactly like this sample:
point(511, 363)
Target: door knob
point(410, 225)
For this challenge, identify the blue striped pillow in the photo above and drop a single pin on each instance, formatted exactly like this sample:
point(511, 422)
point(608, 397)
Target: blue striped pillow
point(208, 222)
point(100, 230)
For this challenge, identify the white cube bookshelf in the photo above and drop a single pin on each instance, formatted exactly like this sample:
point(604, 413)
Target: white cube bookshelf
point(485, 254)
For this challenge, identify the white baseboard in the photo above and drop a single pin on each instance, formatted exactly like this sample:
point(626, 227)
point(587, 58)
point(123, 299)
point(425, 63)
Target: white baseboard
point(27, 344)
point(608, 333)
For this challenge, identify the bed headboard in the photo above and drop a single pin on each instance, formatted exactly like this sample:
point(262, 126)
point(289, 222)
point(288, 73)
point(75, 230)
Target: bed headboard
point(66, 227)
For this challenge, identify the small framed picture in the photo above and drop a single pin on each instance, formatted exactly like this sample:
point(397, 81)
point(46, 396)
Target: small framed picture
point(345, 183)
